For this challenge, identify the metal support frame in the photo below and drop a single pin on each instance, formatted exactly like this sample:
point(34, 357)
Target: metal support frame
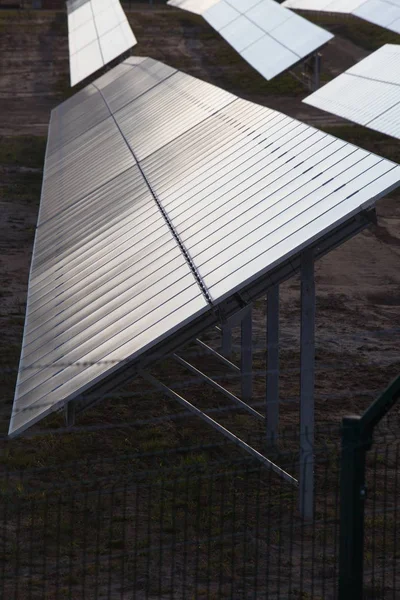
point(226, 331)
point(231, 436)
point(312, 63)
point(307, 376)
point(302, 261)
point(272, 387)
point(127, 370)
point(246, 358)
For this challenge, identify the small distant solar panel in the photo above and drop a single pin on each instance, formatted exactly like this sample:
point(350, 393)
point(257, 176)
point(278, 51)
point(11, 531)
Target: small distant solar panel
point(159, 208)
point(98, 32)
point(385, 13)
point(268, 36)
point(198, 7)
point(368, 93)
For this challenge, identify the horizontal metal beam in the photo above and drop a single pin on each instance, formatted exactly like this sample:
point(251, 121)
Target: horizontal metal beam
point(218, 387)
point(231, 436)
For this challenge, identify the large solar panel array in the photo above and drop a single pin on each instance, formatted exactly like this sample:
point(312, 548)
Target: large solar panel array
point(162, 196)
point(368, 93)
point(98, 32)
point(268, 36)
point(385, 13)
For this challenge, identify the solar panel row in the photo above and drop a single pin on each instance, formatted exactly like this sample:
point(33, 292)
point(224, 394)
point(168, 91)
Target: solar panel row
point(98, 32)
point(168, 198)
point(384, 13)
point(268, 36)
point(368, 93)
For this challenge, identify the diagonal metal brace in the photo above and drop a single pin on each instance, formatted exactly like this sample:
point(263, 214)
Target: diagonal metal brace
point(219, 387)
point(231, 436)
point(217, 355)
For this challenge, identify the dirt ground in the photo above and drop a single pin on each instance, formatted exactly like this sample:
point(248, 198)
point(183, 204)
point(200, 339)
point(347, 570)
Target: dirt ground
point(358, 285)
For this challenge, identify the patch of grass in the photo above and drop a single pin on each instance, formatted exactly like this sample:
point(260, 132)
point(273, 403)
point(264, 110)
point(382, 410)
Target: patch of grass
point(59, 25)
point(24, 150)
point(27, 188)
point(284, 85)
point(62, 88)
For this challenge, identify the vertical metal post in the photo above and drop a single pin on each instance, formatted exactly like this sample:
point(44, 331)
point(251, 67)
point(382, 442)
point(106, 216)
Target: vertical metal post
point(246, 362)
point(357, 438)
point(272, 388)
point(69, 414)
point(307, 367)
point(352, 502)
point(226, 340)
point(317, 69)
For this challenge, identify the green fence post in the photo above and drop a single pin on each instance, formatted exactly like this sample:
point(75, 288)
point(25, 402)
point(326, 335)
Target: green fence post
point(357, 435)
point(352, 500)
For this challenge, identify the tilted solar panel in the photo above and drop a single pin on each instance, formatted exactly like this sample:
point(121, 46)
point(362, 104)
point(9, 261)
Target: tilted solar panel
point(268, 36)
point(98, 32)
point(384, 13)
point(157, 211)
point(368, 93)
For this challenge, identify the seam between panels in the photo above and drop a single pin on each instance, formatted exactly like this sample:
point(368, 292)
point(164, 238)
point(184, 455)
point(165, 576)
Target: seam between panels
point(167, 220)
point(119, 108)
point(371, 79)
point(370, 121)
point(379, 115)
point(97, 33)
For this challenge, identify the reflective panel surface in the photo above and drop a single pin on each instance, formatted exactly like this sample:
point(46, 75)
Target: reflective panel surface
point(268, 36)
point(162, 196)
point(384, 13)
point(98, 32)
point(368, 93)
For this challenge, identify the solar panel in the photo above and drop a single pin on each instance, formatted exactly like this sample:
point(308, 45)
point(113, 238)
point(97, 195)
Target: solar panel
point(154, 213)
point(384, 13)
point(268, 36)
point(198, 7)
point(98, 32)
point(368, 93)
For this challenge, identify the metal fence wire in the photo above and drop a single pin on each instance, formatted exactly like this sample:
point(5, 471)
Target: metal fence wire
point(188, 526)
point(187, 529)
point(382, 522)
point(192, 523)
